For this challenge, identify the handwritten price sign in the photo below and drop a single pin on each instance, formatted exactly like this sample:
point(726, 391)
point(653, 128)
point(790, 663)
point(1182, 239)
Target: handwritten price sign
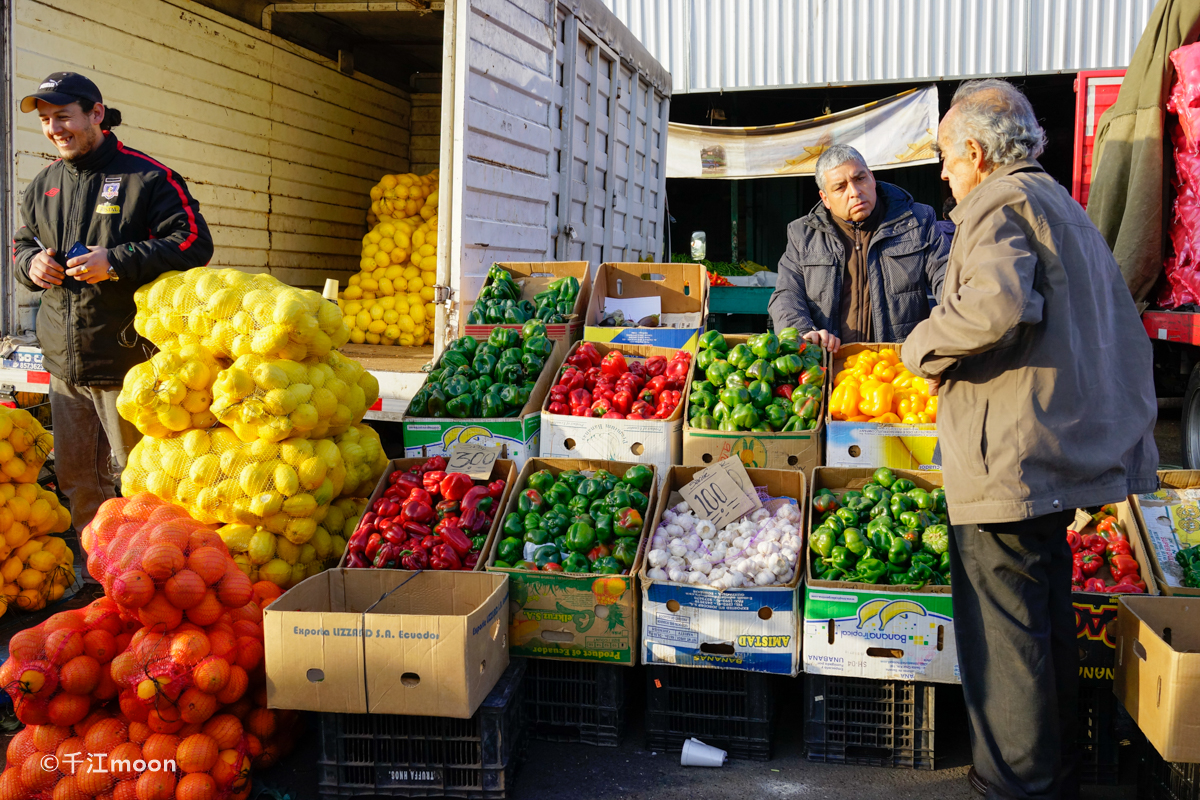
point(721, 493)
point(473, 459)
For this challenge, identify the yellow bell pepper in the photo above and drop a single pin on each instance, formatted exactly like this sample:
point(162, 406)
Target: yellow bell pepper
point(904, 379)
point(909, 403)
point(843, 403)
point(889, 355)
point(885, 418)
point(920, 385)
point(911, 419)
point(924, 419)
point(931, 408)
point(843, 375)
point(884, 371)
point(858, 418)
point(877, 399)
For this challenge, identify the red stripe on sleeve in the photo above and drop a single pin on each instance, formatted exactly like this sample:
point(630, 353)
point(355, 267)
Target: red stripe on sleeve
point(183, 198)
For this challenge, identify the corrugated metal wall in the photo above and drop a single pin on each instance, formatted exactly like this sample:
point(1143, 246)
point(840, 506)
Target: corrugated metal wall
point(280, 149)
point(754, 44)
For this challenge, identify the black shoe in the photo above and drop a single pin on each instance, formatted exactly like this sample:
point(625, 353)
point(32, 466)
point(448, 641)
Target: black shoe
point(977, 782)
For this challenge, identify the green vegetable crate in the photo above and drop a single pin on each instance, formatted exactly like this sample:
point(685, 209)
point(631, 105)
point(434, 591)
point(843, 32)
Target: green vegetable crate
point(1156, 515)
point(534, 280)
point(870, 630)
point(797, 449)
point(574, 616)
point(517, 436)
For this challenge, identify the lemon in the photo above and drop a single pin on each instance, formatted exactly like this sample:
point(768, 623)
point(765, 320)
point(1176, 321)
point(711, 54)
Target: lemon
point(277, 571)
point(260, 546)
point(238, 537)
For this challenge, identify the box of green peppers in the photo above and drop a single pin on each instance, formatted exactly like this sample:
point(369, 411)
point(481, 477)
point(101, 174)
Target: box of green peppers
point(554, 292)
point(485, 391)
point(758, 397)
point(572, 537)
point(877, 588)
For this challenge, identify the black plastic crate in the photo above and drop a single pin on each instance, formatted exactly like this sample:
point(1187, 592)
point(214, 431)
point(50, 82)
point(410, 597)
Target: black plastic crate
point(575, 701)
point(1106, 734)
point(393, 755)
point(726, 708)
point(869, 722)
point(1163, 780)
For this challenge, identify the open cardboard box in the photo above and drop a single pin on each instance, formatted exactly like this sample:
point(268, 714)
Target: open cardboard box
point(780, 450)
point(683, 289)
point(376, 641)
point(647, 441)
point(1158, 671)
point(869, 630)
point(874, 444)
point(570, 616)
point(1161, 538)
point(533, 277)
point(517, 436)
point(502, 469)
point(753, 628)
point(1096, 612)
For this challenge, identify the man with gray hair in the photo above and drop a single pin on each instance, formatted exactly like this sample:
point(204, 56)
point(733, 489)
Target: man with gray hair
point(861, 265)
point(1046, 405)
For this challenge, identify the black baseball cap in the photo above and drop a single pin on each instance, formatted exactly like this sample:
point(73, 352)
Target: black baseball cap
point(61, 88)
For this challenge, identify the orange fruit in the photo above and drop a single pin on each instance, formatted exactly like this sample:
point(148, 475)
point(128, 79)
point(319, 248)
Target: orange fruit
point(159, 614)
point(189, 648)
point(95, 776)
point(261, 723)
point(80, 675)
point(83, 726)
point(245, 627)
point(232, 770)
point(196, 706)
point(22, 745)
point(62, 645)
point(197, 753)
point(185, 589)
point(175, 532)
point(70, 754)
point(48, 737)
point(124, 752)
point(190, 729)
point(239, 680)
point(251, 612)
point(125, 790)
point(164, 720)
point(107, 688)
point(64, 621)
point(124, 668)
point(31, 712)
point(133, 589)
point(254, 746)
point(210, 563)
point(225, 729)
point(101, 644)
point(249, 652)
point(68, 789)
point(156, 786)
point(197, 786)
point(222, 641)
point(11, 787)
point(162, 560)
point(105, 735)
point(67, 709)
point(208, 610)
point(234, 590)
point(202, 537)
point(265, 592)
point(211, 674)
point(26, 645)
point(133, 709)
point(139, 732)
point(162, 746)
point(34, 775)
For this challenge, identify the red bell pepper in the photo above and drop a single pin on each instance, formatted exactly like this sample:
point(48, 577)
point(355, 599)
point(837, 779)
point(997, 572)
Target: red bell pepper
point(1094, 585)
point(374, 542)
point(457, 539)
point(614, 415)
point(600, 408)
point(667, 401)
point(581, 411)
point(1094, 543)
point(385, 507)
point(496, 488)
point(550, 566)
point(386, 558)
point(614, 363)
point(1126, 588)
point(475, 496)
point(656, 365)
point(1074, 540)
point(429, 541)
point(443, 556)
point(434, 463)
point(455, 485)
point(632, 415)
point(580, 398)
point(447, 508)
point(1122, 564)
point(1110, 529)
point(591, 376)
point(1117, 546)
point(622, 401)
point(589, 349)
point(418, 511)
point(470, 560)
point(408, 480)
point(455, 521)
point(1077, 576)
point(784, 390)
point(394, 477)
point(1091, 563)
point(430, 481)
point(572, 379)
point(414, 558)
point(600, 550)
point(397, 493)
point(1135, 581)
point(394, 535)
point(357, 561)
point(580, 360)
point(416, 528)
point(637, 368)
point(559, 408)
point(657, 383)
point(677, 370)
point(474, 522)
point(642, 407)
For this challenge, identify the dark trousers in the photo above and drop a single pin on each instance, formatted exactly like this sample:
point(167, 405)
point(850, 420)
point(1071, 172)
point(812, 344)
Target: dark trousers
point(1015, 628)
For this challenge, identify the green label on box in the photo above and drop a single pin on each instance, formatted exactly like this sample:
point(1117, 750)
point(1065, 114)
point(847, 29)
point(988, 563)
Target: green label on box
point(519, 437)
point(587, 618)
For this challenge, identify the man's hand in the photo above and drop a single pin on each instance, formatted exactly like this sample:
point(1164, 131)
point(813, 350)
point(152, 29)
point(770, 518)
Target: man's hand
point(45, 271)
point(825, 339)
point(91, 268)
point(934, 383)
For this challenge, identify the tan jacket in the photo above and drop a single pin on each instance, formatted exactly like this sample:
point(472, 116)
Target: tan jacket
point(1047, 399)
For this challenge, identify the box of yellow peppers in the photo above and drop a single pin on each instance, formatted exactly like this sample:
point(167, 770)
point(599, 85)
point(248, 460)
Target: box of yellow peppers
point(879, 414)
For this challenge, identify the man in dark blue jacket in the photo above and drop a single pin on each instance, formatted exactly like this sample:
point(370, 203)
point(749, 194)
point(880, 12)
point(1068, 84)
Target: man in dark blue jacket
point(98, 223)
point(862, 265)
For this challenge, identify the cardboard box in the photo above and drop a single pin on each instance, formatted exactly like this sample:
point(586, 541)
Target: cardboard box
point(533, 278)
point(380, 641)
point(755, 629)
point(517, 436)
point(1158, 671)
point(1167, 532)
point(1096, 612)
point(568, 616)
point(501, 469)
point(872, 444)
point(650, 441)
point(866, 630)
point(783, 450)
point(683, 289)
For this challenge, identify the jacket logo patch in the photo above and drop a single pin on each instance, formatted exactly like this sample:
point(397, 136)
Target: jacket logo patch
point(108, 208)
point(110, 191)
point(52, 192)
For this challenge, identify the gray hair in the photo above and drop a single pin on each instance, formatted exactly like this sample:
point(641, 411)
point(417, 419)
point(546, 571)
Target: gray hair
point(998, 116)
point(833, 158)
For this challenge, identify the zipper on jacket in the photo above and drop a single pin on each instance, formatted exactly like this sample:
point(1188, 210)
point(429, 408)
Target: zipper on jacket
point(76, 204)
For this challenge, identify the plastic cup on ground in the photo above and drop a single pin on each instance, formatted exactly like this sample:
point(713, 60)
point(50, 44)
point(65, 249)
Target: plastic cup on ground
point(698, 754)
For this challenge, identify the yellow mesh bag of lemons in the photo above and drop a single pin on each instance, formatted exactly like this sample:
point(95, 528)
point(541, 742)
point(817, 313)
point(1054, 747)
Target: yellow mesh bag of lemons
point(171, 392)
point(24, 446)
point(37, 573)
point(390, 300)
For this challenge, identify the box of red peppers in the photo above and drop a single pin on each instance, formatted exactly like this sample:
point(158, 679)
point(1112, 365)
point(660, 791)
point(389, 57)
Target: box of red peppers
point(618, 403)
point(1109, 558)
point(421, 517)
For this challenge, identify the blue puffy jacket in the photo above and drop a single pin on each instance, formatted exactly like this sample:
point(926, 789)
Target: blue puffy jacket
point(906, 262)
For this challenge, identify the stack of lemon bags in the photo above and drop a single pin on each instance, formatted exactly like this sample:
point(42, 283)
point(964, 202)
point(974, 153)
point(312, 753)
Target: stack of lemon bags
point(390, 301)
point(252, 418)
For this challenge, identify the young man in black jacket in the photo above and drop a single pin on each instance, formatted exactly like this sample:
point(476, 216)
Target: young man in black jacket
point(98, 223)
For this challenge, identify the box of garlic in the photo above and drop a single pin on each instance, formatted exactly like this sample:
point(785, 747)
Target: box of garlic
point(725, 595)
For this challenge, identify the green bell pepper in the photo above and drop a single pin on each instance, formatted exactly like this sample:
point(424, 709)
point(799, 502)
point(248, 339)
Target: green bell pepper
point(736, 380)
point(733, 397)
point(625, 551)
point(572, 478)
point(713, 340)
point(559, 492)
point(419, 406)
point(705, 358)
point(705, 422)
point(576, 562)
point(813, 376)
point(855, 542)
point(460, 406)
point(869, 570)
point(740, 356)
point(776, 417)
point(842, 558)
point(884, 477)
point(765, 345)
point(939, 500)
point(922, 498)
point(504, 338)
point(717, 372)
point(533, 329)
point(788, 365)
point(902, 485)
point(493, 404)
point(513, 525)
point(640, 501)
point(607, 565)
point(627, 522)
point(581, 537)
point(760, 393)
point(538, 536)
point(900, 551)
point(463, 344)
point(881, 538)
point(703, 386)
point(936, 539)
point(530, 500)
point(603, 523)
point(639, 476)
point(761, 370)
point(547, 554)
point(720, 412)
point(532, 520)
point(909, 519)
point(590, 488)
point(541, 481)
point(822, 541)
point(579, 504)
point(794, 423)
point(703, 400)
point(509, 549)
point(744, 416)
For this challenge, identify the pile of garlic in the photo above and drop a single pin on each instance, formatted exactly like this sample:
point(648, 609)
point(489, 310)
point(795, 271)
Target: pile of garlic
point(762, 549)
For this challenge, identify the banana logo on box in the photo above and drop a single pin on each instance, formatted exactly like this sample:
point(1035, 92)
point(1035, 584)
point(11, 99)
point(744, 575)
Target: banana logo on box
point(463, 434)
point(888, 610)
